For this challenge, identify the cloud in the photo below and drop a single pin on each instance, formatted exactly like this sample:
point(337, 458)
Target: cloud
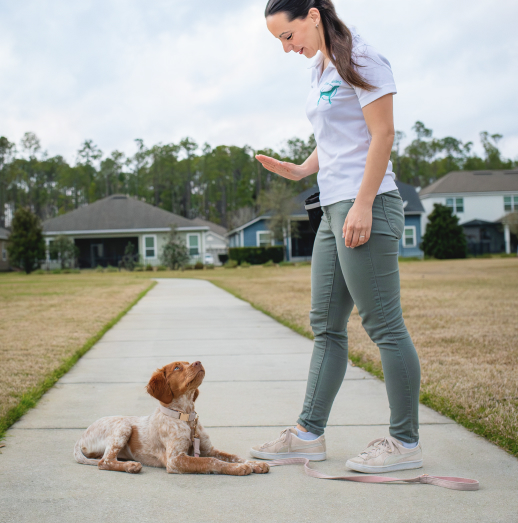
point(113, 71)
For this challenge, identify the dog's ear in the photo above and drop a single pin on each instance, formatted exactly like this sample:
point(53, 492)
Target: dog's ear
point(196, 394)
point(159, 388)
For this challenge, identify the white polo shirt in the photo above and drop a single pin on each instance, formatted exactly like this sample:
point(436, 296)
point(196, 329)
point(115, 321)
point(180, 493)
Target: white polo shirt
point(334, 109)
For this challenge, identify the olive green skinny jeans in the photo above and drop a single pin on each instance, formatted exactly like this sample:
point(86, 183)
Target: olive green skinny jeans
point(367, 276)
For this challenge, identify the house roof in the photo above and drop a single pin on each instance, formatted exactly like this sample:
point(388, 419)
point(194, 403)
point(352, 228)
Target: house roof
point(473, 182)
point(116, 212)
point(411, 196)
point(4, 233)
point(478, 223)
point(214, 227)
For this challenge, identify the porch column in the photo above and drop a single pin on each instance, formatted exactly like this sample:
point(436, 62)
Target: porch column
point(507, 236)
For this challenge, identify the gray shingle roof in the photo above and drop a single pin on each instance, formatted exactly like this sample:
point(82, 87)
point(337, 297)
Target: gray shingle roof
point(214, 227)
point(410, 195)
point(116, 212)
point(474, 181)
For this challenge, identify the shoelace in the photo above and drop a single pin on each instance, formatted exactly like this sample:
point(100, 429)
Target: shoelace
point(379, 446)
point(282, 437)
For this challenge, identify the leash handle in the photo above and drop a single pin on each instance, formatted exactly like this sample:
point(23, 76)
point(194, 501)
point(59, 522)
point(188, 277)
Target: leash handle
point(439, 481)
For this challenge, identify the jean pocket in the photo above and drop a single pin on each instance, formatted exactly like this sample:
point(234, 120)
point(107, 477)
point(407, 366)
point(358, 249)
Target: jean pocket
point(394, 213)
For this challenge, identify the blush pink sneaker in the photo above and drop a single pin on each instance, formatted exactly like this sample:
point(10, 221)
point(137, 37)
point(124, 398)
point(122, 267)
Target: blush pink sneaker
point(288, 445)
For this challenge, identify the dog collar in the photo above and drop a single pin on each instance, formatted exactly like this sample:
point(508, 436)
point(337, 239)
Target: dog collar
point(177, 414)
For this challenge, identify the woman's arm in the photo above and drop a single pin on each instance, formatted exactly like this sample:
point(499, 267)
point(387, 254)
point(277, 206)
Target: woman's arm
point(289, 170)
point(380, 122)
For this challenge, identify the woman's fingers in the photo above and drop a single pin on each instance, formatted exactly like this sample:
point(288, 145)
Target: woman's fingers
point(284, 169)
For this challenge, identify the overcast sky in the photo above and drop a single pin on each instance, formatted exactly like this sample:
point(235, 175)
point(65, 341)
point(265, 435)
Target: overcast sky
point(160, 70)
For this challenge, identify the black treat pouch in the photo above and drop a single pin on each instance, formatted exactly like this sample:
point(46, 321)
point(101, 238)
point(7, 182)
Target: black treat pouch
point(312, 206)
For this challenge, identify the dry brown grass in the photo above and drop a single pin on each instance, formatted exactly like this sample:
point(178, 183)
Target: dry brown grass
point(47, 318)
point(462, 316)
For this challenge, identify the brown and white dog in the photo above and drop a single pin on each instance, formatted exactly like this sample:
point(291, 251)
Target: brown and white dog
point(160, 440)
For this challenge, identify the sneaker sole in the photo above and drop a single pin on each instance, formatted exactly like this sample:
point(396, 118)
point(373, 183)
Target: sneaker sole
point(388, 468)
point(321, 456)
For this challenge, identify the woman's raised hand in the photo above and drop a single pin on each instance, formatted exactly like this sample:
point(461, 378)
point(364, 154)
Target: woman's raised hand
point(288, 170)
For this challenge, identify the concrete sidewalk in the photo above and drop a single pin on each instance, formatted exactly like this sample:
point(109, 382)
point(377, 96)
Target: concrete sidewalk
point(254, 387)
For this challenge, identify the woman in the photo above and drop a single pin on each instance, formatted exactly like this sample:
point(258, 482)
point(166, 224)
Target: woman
point(355, 255)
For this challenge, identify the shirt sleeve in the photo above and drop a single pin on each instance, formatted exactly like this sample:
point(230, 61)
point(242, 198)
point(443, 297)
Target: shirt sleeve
point(375, 70)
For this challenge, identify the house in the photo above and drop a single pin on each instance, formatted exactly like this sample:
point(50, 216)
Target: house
point(4, 262)
point(481, 200)
point(103, 229)
point(299, 246)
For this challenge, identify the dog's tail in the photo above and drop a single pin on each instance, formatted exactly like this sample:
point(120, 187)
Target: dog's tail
point(81, 458)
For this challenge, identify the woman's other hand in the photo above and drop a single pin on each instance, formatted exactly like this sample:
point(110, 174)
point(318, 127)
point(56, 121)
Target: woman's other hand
point(288, 170)
point(358, 224)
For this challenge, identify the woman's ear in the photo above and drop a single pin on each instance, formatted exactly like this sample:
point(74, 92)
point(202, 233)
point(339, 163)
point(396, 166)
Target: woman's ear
point(159, 388)
point(196, 394)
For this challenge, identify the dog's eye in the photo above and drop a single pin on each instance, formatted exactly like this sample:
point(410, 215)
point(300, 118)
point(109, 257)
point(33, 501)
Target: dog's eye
point(176, 368)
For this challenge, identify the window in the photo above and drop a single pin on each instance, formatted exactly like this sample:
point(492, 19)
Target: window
point(264, 238)
point(409, 237)
point(4, 252)
point(150, 246)
point(193, 242)
point(457, 204)
point(511, 203)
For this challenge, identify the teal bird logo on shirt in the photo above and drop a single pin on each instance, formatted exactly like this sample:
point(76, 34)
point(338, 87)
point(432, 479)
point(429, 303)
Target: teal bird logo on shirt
point(328, 94)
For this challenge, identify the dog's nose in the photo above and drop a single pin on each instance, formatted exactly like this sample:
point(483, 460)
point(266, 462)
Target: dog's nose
point(196, 364)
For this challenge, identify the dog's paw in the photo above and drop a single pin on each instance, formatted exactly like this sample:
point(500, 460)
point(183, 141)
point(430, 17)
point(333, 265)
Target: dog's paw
point(133, 467)
point(242, 469)
point(259, 467)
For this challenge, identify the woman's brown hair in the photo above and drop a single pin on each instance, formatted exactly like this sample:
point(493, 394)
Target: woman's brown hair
point(337, 36)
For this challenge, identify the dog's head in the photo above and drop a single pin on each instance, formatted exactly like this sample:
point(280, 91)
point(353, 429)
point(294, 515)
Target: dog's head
point(176, 379)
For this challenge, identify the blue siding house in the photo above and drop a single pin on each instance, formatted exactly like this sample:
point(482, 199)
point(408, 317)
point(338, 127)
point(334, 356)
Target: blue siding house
point(255, 233)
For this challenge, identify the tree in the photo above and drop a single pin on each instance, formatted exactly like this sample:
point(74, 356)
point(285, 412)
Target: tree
point(279, 203)
point(26, 247)
point(444, 237)
point(64, 250)
point(129, 259)
point(174, 253)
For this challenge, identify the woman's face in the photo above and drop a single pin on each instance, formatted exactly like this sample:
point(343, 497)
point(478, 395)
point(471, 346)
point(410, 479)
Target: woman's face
point(300, 35)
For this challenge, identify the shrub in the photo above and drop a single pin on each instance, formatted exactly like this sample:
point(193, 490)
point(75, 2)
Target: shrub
point(110, 268)
point(198, 265)
point(188, 267)
point(230, 264)
point(161, 268)
point(269, 263)
point(257, 255)
point(57, 271)
point(223, 258)
point(149, 267)
point(99, 269)
point(286, 264)
point(245, 264)
point(209, 266)
point(138, 269)
point(40, 271)
point(175, 253)
point(66, 271)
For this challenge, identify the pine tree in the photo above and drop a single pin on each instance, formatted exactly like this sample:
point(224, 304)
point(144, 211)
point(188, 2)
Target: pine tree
point(26, 246)
point(444, 237)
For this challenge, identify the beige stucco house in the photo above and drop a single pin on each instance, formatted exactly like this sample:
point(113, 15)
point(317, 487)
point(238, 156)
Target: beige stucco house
point(103, 229)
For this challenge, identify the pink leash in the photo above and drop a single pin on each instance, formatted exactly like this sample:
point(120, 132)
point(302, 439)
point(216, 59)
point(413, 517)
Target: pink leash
point(439, 481)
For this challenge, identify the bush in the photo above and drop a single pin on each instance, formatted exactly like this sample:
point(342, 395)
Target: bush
point(198, 265)
point(245, 264)
point(63, 249)
point(209, 266)
point(188, 267)
point(286, 264)
point(161, 268)
point(40, 271)
point(57, 271)
point(175, 253)
point(110, 268)
point(257, 255)
point(99, 269)
point(230, 264)
point(149, 267)
point(138, 269)
point(223, 258)
point(269, 263)
point(66, 271)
